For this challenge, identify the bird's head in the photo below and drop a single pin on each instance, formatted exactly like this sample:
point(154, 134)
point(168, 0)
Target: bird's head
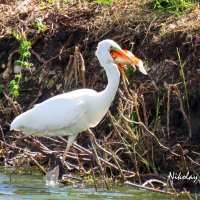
point(110, 52)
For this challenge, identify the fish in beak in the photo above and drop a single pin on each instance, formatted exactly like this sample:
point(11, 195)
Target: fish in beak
point(124, 58)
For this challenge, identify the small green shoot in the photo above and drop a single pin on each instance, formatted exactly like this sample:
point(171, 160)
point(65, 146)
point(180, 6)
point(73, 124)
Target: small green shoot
point(182, 65)
point(24, 50)
point(157, 119)
point(14, 86)
point(39, 24)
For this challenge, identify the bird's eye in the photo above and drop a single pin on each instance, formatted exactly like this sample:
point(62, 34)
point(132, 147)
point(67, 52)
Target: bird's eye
point(113, 48)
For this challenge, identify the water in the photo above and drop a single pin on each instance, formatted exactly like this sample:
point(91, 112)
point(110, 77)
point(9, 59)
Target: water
point(32, 187)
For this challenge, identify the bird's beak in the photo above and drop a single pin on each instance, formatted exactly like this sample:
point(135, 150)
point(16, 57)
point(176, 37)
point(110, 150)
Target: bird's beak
point(124, 57)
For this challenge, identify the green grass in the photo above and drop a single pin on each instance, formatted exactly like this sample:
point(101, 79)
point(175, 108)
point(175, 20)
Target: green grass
point(172, 5)
point(105, 2)
point(182, 74)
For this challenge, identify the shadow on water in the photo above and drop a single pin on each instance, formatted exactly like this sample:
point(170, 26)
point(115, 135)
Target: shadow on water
point(33, 187)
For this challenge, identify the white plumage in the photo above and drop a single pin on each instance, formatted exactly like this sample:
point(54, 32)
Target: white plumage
point(76, 111)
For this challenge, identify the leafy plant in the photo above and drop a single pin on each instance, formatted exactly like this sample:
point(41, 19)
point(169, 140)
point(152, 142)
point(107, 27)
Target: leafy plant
point(24, 48)
point(172, 5)
point(39, 24)
point(14, 86)
point(23, 61)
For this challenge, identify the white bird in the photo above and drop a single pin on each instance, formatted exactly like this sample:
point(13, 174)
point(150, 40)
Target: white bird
point(77, 111)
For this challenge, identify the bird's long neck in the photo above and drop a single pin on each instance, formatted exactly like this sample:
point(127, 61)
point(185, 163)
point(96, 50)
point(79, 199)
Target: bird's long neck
point(113, 76)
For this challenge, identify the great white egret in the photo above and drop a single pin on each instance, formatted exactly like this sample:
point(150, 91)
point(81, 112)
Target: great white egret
point(77, 111)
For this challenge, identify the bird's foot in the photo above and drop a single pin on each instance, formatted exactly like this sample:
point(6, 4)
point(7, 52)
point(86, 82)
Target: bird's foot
point(54, 176)
point(51, 177)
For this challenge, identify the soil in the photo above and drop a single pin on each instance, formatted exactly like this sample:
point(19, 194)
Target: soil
point(154, 37)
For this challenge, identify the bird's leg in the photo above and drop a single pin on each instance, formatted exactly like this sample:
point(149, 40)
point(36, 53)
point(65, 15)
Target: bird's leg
point(71, 138)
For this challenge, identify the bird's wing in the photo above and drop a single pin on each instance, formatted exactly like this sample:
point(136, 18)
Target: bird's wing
point(55, 113)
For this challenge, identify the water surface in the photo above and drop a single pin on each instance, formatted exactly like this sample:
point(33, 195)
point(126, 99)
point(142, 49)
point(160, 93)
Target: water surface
point(33, 187)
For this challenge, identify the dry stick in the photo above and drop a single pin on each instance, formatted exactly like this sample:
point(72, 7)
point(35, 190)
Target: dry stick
point(157, 140)
point(188, 194)
point(93, 174)
point(9, 99)
point(8, 71)
point(152, 181)
point(68, 73)
point(193, 161)
point(185, 168)
point(2, 133)
point(75, 64)
point(92, 139)
point(27, 153)
point(120, 170)
point(126, 88)
point(41, 60)
point(144, 111)
point(177, 92)
point(106, 151)
point(82, 69)
point(150, 189)
point(101, 159)
point(116, 126)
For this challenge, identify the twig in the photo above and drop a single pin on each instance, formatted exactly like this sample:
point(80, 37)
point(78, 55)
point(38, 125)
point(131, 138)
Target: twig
point(76, 64)
point(68, 72)
point(141, 124)
point(27, 153)
point(82, 69)
point(150, 189)
point(2, 133)
point(12, 104)
point(92, 139)
point(185, 168)
point(177, 92)
point(41, 60)
point(152, 181)
point(101, 159)
point(8, 71)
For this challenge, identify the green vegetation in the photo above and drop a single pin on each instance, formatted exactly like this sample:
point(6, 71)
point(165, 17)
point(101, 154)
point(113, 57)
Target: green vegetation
point(105, 2)
point(24, 48)
point(172, 5)
point(23, 61)
point(182, 74)
point(39, 25)
point(14, 86)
